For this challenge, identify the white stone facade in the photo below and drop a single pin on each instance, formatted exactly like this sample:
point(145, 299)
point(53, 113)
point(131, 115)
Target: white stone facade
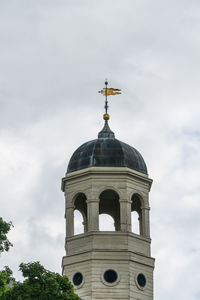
point(116, 191)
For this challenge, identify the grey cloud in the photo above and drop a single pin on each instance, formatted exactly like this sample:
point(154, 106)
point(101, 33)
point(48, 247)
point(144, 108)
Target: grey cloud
point(54, 58)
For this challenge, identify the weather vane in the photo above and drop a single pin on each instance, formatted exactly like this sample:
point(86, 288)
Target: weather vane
point(108, 92)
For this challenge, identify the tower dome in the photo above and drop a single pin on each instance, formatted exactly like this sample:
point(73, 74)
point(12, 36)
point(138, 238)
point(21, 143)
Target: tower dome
point(106, 151)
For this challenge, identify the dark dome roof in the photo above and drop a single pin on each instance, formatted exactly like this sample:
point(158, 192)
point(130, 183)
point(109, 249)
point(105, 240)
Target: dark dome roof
point(106, 151)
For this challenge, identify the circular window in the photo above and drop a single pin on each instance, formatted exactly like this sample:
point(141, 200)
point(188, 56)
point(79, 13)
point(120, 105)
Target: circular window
point(141, 280)
point(110, 276)
point(77, 278)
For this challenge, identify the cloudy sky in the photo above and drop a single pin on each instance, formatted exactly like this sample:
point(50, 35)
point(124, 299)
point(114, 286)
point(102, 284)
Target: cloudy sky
point(54, 57)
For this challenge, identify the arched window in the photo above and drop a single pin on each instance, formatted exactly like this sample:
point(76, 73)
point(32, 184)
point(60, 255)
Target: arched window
point(106, 223)
point(136, 215)
point(135, 226)
point(78, 222)
point(80, 214)
point(109, 205)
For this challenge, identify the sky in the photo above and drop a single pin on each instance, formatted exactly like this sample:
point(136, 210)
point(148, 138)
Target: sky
point(54, 58)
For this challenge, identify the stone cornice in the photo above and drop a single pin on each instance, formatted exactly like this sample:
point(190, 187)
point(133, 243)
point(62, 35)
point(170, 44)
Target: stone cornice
point(103, 171)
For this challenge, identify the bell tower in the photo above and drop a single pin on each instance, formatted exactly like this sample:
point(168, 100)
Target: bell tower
point(107, 176)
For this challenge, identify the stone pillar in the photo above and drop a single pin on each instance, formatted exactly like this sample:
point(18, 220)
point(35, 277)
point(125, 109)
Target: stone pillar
point(125, 215)
point(141, 223)
point(85, 224)
point(93, 214)
point(145, 222)
point(69, 221)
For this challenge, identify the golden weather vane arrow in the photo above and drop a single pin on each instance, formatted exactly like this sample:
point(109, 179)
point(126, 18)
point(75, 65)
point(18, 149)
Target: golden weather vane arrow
point(108, 92)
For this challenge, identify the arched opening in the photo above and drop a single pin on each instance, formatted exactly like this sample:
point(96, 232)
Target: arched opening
point(78, 222)
point(135, 226)
point(106, 223)
point(80, 214)
point(109, 205)
point(136, 215)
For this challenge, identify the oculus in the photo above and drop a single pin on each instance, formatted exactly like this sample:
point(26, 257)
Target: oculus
point(77, 279)
point(141, 280)
point(110, 276)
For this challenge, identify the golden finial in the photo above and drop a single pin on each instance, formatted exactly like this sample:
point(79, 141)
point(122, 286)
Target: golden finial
point(106, 117)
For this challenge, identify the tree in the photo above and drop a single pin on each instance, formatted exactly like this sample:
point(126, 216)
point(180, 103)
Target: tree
point(6, 280)
point(5, 244)
point(39, 284)
point(5, 275)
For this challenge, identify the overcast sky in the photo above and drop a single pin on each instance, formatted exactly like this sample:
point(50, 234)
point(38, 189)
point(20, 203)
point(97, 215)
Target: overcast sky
point(54, 57)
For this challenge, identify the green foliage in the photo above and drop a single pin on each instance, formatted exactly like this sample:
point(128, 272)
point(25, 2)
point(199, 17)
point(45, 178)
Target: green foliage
point(39, 284)
point(6, 280)
point(5, 244)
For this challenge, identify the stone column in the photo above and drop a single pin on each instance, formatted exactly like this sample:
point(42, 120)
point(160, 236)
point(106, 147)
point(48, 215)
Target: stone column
point(141, 223)
point(69, 221)
point(93, 214)
point(145, 222)
point(85, 224)
point(125, 215)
